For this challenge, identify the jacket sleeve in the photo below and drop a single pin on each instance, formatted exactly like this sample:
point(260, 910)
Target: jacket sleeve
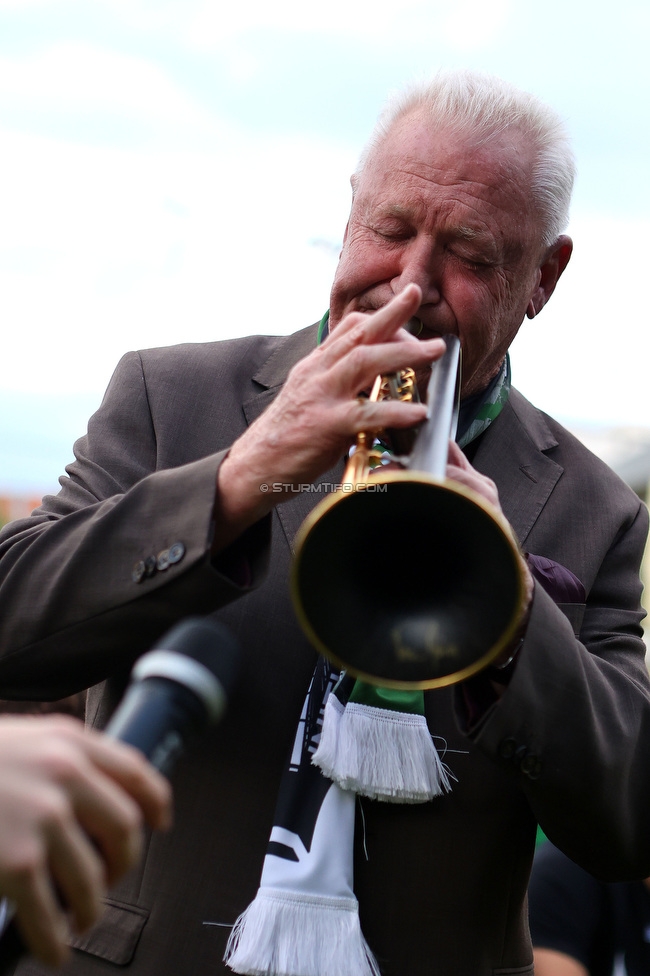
point(574, 722)
point(97, 573)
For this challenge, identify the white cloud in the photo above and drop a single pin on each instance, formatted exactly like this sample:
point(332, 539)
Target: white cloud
point(77, 76)
point(103, 251)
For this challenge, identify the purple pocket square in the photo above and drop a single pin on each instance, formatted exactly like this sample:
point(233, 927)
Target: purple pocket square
point(560, 583)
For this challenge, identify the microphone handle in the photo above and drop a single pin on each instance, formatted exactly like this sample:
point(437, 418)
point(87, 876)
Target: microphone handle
point(12, 949)
point(158, 716)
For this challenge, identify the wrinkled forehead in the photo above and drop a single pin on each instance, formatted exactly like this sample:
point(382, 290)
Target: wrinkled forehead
point(415, 143)
point(417, 157)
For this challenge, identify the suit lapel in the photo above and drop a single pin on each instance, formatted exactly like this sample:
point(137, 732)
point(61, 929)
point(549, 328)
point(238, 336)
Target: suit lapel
point(512, 454)
point(273, 372)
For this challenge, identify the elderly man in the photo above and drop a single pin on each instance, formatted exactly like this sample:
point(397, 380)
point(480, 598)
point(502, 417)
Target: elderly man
point(456, 226)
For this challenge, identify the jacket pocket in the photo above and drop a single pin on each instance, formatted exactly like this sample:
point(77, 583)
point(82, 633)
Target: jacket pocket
point(115, 937)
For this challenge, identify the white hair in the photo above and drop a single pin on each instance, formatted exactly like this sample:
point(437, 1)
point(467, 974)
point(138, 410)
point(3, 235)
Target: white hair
point(486, 106)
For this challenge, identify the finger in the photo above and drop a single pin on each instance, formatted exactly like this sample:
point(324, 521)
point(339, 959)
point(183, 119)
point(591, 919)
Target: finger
point(128, 768)
point(456, 457)
point(122, 763)
point(78, 873)
point(460, 470)
point(363, 363)
point(41, 921)
point(380, 326)
point(52, 855)
point(365, 415)
point(59, 745)
point(111, 818)
point(477, 483)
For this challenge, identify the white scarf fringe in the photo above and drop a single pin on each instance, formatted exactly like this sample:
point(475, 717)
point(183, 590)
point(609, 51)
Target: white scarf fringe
point(379, 753)
point(284, 933)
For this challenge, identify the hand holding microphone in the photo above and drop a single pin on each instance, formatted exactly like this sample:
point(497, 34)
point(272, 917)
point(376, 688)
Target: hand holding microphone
point(73, 801)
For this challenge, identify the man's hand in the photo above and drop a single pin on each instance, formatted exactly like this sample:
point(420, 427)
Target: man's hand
point(72, 804)
point(318, 413)
point(459, 469)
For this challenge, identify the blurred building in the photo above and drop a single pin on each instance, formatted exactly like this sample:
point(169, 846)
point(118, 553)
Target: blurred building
point(16, 506)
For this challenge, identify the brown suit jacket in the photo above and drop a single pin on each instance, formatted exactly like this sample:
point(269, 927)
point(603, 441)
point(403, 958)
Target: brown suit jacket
point(441, 886)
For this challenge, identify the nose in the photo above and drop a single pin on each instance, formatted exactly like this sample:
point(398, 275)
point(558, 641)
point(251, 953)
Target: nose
point(419, 265)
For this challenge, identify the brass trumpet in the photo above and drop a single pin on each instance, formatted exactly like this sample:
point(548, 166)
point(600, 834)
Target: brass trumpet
point(404, 578)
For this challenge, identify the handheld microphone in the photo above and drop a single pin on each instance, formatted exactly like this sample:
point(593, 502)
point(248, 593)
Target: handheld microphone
point(177, 690)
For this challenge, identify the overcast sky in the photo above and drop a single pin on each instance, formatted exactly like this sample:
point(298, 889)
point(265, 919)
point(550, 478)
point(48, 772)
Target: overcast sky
point(178, 171)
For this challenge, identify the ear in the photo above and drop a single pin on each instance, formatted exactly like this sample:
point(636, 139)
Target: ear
point(555, 261)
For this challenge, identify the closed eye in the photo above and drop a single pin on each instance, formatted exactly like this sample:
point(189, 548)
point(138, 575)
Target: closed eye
point(475, 262)
point(393, 233)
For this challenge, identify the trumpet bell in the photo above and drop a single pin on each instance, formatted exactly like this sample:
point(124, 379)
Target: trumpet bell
point(413, 582)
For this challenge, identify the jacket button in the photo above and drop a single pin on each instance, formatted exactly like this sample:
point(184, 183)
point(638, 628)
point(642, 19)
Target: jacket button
point(507, 748)
point(138, 571)
point(162, 561)
point(176, 553)
point(531, 766)
point(150, 566)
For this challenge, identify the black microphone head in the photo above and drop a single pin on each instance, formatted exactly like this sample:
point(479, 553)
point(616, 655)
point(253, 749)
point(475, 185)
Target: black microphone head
point(208, 641)
point(200, 653)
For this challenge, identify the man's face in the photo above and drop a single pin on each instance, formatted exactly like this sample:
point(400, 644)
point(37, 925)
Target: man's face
point(458, 220)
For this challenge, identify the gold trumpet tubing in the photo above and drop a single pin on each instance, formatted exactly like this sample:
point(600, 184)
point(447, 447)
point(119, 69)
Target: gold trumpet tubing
point(399, 386)
point(402, 386)
point(358, 465)
point(357, 469)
